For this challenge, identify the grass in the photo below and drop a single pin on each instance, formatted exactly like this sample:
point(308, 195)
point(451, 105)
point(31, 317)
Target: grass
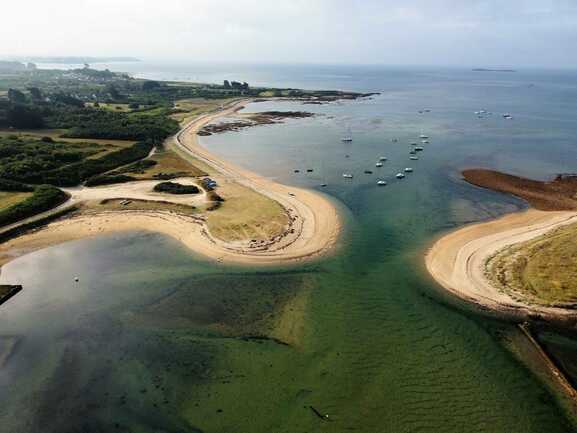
point(115, 205)
point(8, 199)
point(193, 107)
point(246, 214)
point(125, 108)
point(542, 270)
point(105, 146)
point(169, 163)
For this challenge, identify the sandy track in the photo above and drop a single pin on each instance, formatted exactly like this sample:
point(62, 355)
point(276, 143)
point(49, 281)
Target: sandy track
point(457, 260)
point(315, 229)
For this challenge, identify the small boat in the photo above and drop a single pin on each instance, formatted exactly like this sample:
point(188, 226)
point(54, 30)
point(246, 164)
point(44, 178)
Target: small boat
point(423, 136)
point(394, 140)
point(368, 172)
point(413, 152)
point(347, 138)
point(425, 141)
point(414, 158)
point(382, 182)
point(414, 143)
point(382, 158)
point(379, 164)
point(419, 148)
point(297, 171)
point(408, 170)
point(323, 185)
point(347, 176)
point(507, 116)
point(400, 176)
point(310, 170)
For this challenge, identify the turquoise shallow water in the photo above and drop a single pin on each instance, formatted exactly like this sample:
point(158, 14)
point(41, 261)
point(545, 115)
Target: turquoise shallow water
point(153, 338)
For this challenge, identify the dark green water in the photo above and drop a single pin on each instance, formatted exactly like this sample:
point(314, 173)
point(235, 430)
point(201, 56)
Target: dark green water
point(154, 339)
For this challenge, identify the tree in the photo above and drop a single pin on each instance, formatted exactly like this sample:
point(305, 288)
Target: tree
point(150, 85)
point(245, 86)
point(16, 96)
point(35, 93)
point(113, 91)
point(226, 84)
point(23, 117)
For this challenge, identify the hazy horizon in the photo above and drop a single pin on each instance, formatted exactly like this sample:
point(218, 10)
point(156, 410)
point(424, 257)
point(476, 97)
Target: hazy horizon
point(519, 33)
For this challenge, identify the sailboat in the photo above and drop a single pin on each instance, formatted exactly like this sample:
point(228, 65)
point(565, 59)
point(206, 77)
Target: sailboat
point(347, 138)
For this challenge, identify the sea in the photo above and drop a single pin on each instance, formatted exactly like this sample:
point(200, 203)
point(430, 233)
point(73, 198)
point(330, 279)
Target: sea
point(154, 338)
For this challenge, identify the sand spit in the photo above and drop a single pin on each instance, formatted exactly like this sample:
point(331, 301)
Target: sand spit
point(314, 229)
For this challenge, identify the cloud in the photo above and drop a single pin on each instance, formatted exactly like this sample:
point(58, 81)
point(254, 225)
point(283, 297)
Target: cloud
point(516, 32)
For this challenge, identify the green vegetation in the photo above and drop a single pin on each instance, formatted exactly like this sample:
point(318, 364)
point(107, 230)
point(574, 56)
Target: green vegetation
point(176, 188)
point(542, 271)
point(29, 160)
point(45, 197)
point(8, 199)
point(108, 180)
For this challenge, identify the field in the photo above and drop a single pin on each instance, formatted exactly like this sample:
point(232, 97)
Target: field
point(246, 215)
point(8, 199)
point(104, 146)
point(186, 109)
point(542, 271)
point(167, 165)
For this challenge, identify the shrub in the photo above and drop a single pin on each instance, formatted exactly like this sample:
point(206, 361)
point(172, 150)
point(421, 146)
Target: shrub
point(10, 185)
point(108, 180)
point(176, 188)
point(45, 198)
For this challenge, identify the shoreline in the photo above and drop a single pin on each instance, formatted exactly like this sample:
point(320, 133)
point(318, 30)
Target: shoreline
point(456, 261)
point(314, 229)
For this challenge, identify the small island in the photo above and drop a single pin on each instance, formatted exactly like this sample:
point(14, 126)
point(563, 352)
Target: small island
point(492, 70)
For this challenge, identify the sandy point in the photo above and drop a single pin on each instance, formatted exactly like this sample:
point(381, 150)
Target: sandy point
point(457, 262)
point(315, 230)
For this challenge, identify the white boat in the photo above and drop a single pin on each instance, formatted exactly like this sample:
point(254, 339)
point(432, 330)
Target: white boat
point(419, 148)
point(424, 137)
point(425, 141)
point(414, 158)
point(382, 182)
point(400, 176)
point(408, 170)
point(382, 158)
point(347, 138)
point(347, 176)
point(379, 164)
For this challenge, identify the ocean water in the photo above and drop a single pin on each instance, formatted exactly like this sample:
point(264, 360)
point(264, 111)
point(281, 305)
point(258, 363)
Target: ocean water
point(154, 338)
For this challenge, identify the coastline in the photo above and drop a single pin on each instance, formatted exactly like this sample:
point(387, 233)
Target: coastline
point(457, 262)
point(314, 230)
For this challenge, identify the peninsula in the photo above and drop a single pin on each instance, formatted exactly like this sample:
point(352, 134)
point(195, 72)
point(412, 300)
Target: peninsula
point(108, 149)
point(520, 265)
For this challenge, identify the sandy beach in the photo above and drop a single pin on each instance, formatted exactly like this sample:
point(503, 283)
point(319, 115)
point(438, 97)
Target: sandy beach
point(314, 228)
point(457, 260)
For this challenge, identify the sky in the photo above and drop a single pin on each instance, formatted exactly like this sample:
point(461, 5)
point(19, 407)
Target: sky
point(484, 33)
